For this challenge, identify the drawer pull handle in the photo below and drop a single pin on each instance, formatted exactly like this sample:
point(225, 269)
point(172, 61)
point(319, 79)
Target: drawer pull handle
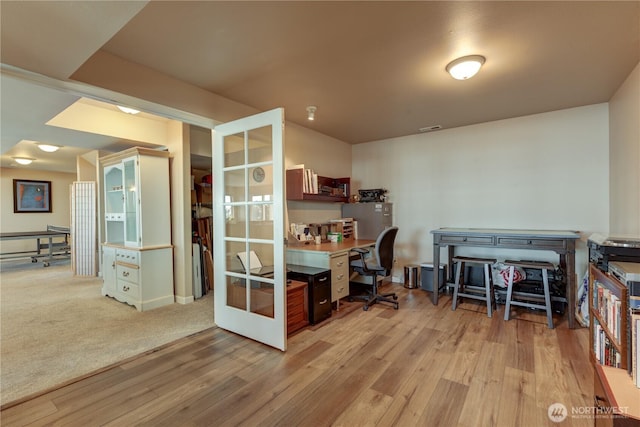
point(464, 239)
point(340, 263)
point(125, 273)
point(340, 290)
point(340, 276)
point(324, 279)
point(324, 301)
point(125, 288)
point(529, 242)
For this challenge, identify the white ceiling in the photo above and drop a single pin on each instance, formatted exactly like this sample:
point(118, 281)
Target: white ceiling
point(374, 69)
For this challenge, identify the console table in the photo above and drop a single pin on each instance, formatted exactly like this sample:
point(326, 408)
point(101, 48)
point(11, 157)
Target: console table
point(559, 241)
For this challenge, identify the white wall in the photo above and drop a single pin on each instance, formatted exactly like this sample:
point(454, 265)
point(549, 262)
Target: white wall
point(327, 157)
point(545, 171)
point(60, 210)
point(624, 152)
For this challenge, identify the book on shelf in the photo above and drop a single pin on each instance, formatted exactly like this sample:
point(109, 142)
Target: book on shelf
point(604, 350)
point(609, 307)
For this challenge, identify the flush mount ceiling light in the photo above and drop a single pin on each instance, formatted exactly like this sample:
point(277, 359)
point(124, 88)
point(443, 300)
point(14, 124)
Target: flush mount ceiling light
point(127, 110)
point(23, 160)
point(311, 112)
point(466, 67)
point(48, 148)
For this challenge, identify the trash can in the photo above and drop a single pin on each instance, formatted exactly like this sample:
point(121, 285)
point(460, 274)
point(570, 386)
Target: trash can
point(426, 276)
point(411, 276)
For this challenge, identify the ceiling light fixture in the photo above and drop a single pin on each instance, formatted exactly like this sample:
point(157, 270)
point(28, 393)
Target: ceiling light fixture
point(23, 160)
point(128, 110)
point(48, 148)
point(466, 67)
point(311, 112)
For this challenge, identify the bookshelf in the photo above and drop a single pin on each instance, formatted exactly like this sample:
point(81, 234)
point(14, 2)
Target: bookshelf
point(613, 351)
point(317, 188)
point(608, 326)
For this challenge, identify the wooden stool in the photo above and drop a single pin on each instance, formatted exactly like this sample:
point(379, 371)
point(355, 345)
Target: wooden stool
point(480, 293)
point(542, 302)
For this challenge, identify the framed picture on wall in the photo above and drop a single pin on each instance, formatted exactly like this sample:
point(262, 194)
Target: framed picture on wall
point(31, 196)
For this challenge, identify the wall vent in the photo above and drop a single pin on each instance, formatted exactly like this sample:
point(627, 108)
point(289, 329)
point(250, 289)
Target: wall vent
point(430, 128)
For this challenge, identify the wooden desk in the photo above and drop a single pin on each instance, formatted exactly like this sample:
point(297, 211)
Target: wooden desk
point(332, 256)
point(559, 241)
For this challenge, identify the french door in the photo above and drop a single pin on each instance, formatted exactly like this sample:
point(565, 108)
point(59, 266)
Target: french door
point(248, 194)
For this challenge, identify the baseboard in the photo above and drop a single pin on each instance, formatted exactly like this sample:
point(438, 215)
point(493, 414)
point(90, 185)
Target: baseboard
point(184, 300)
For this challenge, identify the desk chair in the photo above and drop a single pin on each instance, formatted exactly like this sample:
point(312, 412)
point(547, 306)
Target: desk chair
point(378, 265)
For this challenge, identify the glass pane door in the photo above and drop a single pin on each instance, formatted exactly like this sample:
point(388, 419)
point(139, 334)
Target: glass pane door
point(114, 204)
point(249, 225)
point(131, 202)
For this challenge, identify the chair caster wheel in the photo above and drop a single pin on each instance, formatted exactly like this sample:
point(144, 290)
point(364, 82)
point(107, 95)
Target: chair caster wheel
point(365, 307)
point(396, 306)
point(395, 297)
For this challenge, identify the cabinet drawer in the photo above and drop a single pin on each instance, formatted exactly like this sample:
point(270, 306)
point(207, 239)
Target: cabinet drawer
point(339, 276)
point(127, 273)
point(466, 240)
point(531, 243)
point(128, 288)
point(130, 257)
point(339, 263)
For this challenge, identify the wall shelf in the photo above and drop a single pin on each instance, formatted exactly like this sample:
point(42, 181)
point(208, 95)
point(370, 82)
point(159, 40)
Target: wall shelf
point(329, 189)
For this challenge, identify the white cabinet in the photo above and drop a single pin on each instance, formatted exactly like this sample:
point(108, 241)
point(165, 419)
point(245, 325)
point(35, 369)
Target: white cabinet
point(137, 251)
point(136, 198)
point(138, 277)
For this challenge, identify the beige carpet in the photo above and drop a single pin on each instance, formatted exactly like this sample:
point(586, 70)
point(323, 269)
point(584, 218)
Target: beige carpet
point(56, 327)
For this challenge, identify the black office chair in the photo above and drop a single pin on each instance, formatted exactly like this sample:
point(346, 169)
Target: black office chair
point(378, 265)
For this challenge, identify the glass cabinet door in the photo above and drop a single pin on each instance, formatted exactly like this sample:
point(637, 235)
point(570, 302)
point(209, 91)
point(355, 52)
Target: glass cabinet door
point(114, 204)
point(131, 202)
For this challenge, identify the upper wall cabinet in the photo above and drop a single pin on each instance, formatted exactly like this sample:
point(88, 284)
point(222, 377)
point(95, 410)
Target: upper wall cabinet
point(304, 185)
point(136, 198)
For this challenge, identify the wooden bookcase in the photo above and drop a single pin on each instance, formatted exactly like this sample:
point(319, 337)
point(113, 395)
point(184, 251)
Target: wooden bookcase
point(339, 188)
point(607, 309)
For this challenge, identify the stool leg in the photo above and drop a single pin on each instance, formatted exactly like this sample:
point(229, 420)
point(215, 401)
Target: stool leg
point(456, 284)
point(547, 298)
point(488, 290)
point(507, 306)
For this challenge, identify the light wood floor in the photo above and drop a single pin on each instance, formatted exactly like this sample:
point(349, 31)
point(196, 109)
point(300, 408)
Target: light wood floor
point(418, 366)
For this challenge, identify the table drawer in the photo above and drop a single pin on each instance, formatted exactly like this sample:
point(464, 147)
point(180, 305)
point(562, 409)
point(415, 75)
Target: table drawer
point(466, 240)
point(523, 242)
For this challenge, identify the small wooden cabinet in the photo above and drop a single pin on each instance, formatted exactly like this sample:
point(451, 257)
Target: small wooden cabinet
point(262, 302)
point(329, 189)
point(297, 306)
